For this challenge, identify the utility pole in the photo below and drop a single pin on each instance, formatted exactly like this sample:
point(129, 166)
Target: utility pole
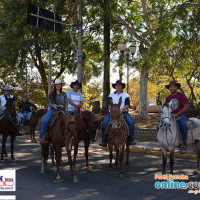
point(80, 43)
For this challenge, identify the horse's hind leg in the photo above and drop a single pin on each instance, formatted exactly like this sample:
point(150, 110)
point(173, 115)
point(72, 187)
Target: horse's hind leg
point(87, 143)
point(52, 155)
point(164, 158)
point(110, 156)
point(171, 162)
point(195, 146)
point(127, 154)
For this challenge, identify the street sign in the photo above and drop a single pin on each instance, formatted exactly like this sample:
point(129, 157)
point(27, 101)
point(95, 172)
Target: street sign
point(42, 18)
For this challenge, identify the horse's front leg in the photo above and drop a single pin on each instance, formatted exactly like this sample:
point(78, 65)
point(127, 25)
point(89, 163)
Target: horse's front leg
point(164, 159)
point(52, 155)
point(3, 146)
point(121, 155)
point(58, 151)
point(195, 146)
point(75, 155)
point(43, 159)
point(12, 147)
point(171, 161)
point(110, 146)
point(117, 155)
point(69, 155)
point(87, 143)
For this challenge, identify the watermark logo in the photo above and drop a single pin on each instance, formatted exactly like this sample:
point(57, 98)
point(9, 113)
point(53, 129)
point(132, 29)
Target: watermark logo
point(176, 182)
point(7, 180)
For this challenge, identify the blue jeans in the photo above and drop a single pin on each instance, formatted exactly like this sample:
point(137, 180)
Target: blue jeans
point(24, 117)
point(46, 121)
point(1, 112)
point(129, 120)
point(183, 127)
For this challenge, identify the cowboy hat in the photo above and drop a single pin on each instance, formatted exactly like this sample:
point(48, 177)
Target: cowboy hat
point(178, 85)
point(118, 82)
point(7, 88)
point(57, 81)
point(76, 82)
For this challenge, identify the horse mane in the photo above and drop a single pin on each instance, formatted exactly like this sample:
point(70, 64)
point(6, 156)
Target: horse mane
point(165, 105)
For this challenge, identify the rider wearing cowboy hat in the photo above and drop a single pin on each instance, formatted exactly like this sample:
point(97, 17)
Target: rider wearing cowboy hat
point(6, 90)
point(56, 98)
point(74, 97)
point(180, 106)
point(119, 86)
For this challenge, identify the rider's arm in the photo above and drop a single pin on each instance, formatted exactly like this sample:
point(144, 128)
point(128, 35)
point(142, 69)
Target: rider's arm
point(51, 103)
point(71, 102)
point(127, 104)
point(33, 105)
point(182, 111)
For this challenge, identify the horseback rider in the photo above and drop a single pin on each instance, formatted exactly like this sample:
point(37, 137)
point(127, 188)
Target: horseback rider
point(180, 106)
point(24, 108)
point(74, 97)
point(56, 99)
point(119, 86)
point(6, 90)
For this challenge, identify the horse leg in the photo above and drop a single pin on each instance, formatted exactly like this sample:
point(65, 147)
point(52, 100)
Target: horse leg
point(52, 155)
point(171, 162)
point(3, 146)
point(121, 155)
point(75, 155)
point(87, 143)
point(58, 151)
point(31, 133)
point(75, 180)
point(164, 158)
point(111, 155)
point(127, 154)
point(117, 155)
point(195, 146)
point(12, 147)
point(43, 159)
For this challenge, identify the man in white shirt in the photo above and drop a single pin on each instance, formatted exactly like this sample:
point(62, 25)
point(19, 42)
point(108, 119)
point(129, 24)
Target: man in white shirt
point(74, 97)
point(6, 90)
point(119, 86)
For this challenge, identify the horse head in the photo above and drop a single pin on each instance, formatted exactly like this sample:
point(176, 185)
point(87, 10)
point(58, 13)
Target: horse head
point(166, 114)
point(10, 107)
point(115, 114)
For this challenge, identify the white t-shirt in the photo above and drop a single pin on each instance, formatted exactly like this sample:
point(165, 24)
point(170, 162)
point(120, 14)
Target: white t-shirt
point(76, 98)
point(3, 100)
point(116, 97)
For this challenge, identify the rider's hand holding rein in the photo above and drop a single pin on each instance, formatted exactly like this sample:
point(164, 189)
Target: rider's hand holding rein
point(55, 106)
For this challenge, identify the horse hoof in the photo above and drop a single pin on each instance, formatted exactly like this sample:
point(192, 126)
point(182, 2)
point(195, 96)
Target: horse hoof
point(42, 171)
point(35, 141)
point(163, 173)
point(59, 180)
point(75, 180)
point(90, 169)
point(121, 175)
point(12, 158)
point(196, 172)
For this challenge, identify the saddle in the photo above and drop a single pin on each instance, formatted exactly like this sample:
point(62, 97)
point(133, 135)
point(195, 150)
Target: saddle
point(47, 138)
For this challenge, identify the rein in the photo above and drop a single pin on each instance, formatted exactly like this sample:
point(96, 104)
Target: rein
point(76, 109)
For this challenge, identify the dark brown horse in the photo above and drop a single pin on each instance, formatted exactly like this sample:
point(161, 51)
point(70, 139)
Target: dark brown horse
point(63, 135)
point(118, 132)
point(87, 126)
point(8, 126)
point(35, 116)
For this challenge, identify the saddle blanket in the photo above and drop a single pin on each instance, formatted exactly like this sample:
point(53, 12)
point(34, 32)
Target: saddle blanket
point(28, 116)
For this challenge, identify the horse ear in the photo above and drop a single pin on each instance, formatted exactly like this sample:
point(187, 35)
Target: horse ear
point(120, 101)
point(170, 104)
point(111, 101)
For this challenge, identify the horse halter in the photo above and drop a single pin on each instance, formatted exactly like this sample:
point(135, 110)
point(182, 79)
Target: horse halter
point(166, 116)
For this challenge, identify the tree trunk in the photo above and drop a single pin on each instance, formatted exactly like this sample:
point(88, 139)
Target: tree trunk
point(143, 105)
point(106, 78)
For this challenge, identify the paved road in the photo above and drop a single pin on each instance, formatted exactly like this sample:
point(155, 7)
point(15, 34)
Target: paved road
point(137, 183)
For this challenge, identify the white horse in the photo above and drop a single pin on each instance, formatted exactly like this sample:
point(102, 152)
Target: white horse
point(169, 137)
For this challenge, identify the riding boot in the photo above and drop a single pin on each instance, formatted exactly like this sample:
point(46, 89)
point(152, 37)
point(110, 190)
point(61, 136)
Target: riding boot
point(131, 140)
point(104, 140)
point(44, 141)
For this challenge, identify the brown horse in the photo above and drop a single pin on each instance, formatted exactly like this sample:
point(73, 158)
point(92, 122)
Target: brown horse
point(118, 132)
point(35, 116)
point(63, 135)
point(87, 126)
point(8, 126)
